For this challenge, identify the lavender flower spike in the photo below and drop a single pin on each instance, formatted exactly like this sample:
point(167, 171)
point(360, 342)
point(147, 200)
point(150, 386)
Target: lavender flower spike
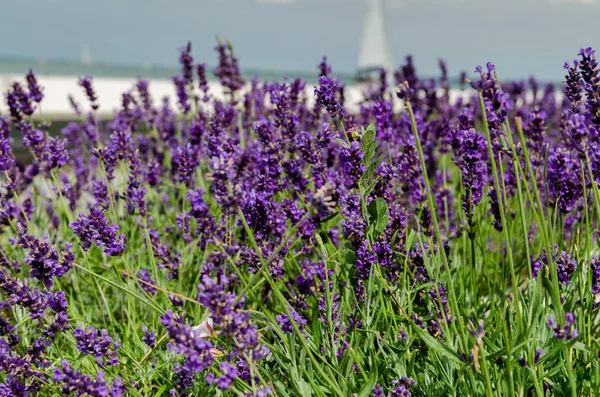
point(86, 84)
point(325, 94)
point(35, 91)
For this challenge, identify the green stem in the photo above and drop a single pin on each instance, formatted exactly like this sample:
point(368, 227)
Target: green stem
point(431, 205)
point(499, 198)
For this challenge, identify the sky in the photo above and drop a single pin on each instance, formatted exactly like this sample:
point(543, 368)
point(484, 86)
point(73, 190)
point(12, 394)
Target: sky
point(522, 37)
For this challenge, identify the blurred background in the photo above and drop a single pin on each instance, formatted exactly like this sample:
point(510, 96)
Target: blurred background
point(122, 39)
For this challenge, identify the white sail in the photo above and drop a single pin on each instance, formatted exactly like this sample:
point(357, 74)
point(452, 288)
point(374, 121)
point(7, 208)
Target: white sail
point(374, 47)
point(86, 55)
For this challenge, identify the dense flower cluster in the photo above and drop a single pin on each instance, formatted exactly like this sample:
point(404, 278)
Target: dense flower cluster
point(283, 241)
point(95, 227)
point(102, 346)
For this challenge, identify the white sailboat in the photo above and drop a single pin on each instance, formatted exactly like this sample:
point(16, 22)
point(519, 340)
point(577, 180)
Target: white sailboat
point(374, 47)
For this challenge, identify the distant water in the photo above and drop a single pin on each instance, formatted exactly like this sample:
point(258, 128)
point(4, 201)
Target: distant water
point(71, 68)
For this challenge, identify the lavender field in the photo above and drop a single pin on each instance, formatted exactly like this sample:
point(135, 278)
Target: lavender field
point(265, 246)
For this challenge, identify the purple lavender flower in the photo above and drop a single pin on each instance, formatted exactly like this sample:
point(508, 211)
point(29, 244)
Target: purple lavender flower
point(595, 270)
point(227, 71)
point(95, 227)
point(74, 105)
point(580, 133)
point(365, 260)
point(495, 209)
point(72, 381)
point(535, 130)
point(206, 226)
point(573, 85)
point(202, 81)
point(21, 99)
point(181, 87)
point(185, 341)
point(542, 261)
point(265, 217)
point(261, 391)
point(495, 101)
point(102, 347)
point(6, 154)
point(539, 352)
point(12, 101)
point(470, 150)
point(9, 331)
point(184, 162)
point(86, 84)
point(121, 145)
point(55, 154)
point(326, 96)
point(405, 91)
point(149, 337)
point(589, 74)
point(187, 63)
point(136, 193)
point(565, 267)
point(564, 180)
point(284, 322)
point(353, 224)
point(144, 93)
point(378, 391)
point(324, 67)
point(229, 318)
point(43, 257)
point(351, 158)
point(225, 313)
point(225, 381)
point(401, 387)
point(34, 140)
point(20, 293)
point(438, 296)
point(148, 283)
point(568, 331)
point(35, 91)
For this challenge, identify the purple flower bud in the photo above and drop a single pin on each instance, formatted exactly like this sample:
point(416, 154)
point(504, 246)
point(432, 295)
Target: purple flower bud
point(35, 91)
point(86, 84)
point(568, 331)
point(405, 92)
point(149, 337)
point(74, 105)
point(187, 63)
point(181, 89)
point(326, 97)
point(378, 391)
point(227, 71)
point(538, 355)
point(6, 154)
point(324, 68)
point(401, 387)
